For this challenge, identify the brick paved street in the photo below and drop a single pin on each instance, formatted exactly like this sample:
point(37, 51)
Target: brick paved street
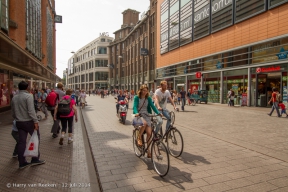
point(226, 149)
point(64, 165)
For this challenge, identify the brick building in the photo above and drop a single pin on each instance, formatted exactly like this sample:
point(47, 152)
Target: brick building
point(27, 46)
point(132, 53)
point(232, 44)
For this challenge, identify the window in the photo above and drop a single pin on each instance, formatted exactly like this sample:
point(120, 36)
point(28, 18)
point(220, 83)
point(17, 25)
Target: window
point(222, 14)
point(90, 76)
point(164, 26)
point(109, 40)
point(34, 29)
point(102, 40)
point(186, 22)
point(49, 38)
point(102, 50)
point(4, 15)
point(101, 63)
point(101, 76)
point(248, 8)
point(174, 24)
point(201, 18)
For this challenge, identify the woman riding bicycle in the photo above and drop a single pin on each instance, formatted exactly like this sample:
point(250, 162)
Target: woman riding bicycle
point(142, 105)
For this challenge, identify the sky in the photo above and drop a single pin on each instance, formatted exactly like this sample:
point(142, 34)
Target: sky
point(84, 20)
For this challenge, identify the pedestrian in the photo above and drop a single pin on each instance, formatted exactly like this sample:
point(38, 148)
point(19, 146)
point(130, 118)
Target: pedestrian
point(283, 108)
point(89, 92)
point(41, 103)
point(77, 94)
point(231, 96)
point(275, 101)
point(26, 121)
point(188, 96)
point(15, 135)
point(67, 119)
point(56, 124)
point(82, 98)
point(175, 97)
point(183, 98)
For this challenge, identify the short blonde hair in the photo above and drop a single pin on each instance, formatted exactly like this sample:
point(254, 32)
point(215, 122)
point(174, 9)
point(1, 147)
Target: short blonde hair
point(140, 90)
point(59, 85)
point(163, 82)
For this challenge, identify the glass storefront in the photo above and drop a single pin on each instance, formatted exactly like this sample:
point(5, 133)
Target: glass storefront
point(5, 88)
point(193, 83)
point(212, 85)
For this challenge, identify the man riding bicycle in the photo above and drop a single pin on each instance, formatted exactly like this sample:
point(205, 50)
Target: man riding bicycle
point(161, 95)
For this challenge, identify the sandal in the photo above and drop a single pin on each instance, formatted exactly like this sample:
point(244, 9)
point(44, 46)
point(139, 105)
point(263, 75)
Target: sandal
point(139, 142)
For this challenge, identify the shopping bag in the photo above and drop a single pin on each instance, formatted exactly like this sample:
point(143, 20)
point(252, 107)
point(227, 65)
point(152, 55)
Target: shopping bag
point(32, 146)
point(137, 121)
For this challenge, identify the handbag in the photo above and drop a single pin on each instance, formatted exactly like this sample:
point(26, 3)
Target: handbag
point(32, 147)
point(138, 120)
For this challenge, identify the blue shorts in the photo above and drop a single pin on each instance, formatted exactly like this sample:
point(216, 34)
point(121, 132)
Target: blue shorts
point(283, 111)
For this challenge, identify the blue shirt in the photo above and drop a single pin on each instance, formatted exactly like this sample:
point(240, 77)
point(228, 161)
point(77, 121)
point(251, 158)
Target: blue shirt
point(121, 97)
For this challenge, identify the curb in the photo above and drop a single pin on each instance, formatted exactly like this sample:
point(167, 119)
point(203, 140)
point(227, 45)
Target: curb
point(92, 154)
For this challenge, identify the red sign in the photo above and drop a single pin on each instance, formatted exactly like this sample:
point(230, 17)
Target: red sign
point(198, 75)
point(268, 69)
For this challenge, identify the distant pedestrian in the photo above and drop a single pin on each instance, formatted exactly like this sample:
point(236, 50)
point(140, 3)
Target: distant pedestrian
point(77, 94)
point(15, 135)
point(231, 96)
point(183, 98)
point(89, 92)
point(26, 121)
point(41, 103)
point(275, 101)
point(67, 119)
point(283, 108)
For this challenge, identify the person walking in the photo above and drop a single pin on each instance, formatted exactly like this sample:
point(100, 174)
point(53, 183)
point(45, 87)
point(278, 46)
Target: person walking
point(23, 112)
point(56, 124)
point(77, 94)
point(283, 108)
point(183, 98)
point(275, 101)
point(67, 119)
point(82, 98)
point(41, 103)
point(15, 135)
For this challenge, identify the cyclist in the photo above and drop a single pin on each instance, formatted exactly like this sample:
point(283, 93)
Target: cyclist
point(161, 95)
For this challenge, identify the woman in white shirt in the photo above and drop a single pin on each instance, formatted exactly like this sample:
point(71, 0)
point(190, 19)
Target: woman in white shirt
point(83, 98)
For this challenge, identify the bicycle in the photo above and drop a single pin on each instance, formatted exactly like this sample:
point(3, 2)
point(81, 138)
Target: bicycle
point(173, 138)
point(159, 152)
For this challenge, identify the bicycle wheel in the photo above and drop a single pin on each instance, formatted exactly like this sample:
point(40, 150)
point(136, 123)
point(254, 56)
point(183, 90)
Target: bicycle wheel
point(172, 116)
point(160, 158)
point(175, 142)
point(137, 149)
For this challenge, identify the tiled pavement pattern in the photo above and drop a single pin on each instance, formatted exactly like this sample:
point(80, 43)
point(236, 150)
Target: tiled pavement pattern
point(210, 161)
point(57, 169)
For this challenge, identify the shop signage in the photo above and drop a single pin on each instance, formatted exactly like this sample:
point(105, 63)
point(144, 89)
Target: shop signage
point(267, 69)
point(219, 65)
point(198, 75)
point(282, 54)
point(144, 52)
point(244, 99)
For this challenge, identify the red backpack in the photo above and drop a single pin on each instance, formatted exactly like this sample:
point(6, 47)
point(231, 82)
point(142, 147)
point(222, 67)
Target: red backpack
point(51, 100)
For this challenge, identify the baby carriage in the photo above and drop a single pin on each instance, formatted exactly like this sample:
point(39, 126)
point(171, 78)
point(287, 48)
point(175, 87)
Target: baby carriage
point(37, 108)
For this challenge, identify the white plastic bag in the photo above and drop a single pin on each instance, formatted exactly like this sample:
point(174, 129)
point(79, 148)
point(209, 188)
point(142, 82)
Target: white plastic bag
point(32, 147)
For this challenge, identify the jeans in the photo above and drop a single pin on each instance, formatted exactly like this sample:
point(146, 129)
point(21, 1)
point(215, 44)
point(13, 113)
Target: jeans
point(76, 99)
point(64, 121)
point(183, 101)
point(160, 120)
point(15, 135)
point(24, 128)
point(275, 106)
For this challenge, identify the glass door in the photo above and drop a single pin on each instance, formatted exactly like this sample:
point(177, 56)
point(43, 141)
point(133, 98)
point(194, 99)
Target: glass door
point(261, 91)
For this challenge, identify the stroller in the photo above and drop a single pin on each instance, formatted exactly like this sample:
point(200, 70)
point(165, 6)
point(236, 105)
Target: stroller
point(39, 117)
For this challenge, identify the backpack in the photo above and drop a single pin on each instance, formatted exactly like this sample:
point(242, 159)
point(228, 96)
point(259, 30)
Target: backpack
point(278, 97)
point(51, 100)
point(64, 107)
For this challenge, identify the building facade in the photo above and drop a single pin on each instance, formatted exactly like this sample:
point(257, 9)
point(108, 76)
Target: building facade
point(218, 45)
point(88, 67)
point(132, 53)
point(27, 46)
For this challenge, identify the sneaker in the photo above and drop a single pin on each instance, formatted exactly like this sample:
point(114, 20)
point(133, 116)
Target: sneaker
point(268, 114)
point(70, 141)
point(15, 155)
point(61, 141)
point(24, 165)
point(39, 162)
point(54, 135)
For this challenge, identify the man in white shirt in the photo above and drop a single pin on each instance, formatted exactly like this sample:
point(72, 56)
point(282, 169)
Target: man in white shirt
point(161, 95)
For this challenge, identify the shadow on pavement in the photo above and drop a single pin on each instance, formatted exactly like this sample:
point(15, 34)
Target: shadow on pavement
point(191, 159)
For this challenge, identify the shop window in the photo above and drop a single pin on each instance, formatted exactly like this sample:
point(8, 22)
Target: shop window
point(5, 89)
point(212, 85)
point(222, 14)
point(201, 19)
point(248, 8)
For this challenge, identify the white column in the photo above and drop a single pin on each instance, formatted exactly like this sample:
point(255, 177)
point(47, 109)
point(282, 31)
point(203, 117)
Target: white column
point(249, 94)
point(186, 83)
point(202, 83)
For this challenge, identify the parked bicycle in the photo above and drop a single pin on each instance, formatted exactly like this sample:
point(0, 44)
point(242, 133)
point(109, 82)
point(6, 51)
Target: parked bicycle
point(173, 137)
point(159, 152)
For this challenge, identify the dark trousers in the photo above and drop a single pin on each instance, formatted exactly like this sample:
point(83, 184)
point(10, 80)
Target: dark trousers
point(15, 135)
point(64, 122)
point(76, 100)
point(56, 124)
point(24, 128)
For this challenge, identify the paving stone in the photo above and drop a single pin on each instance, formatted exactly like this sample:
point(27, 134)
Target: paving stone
point(147, 185)
point(216, 179)
point(215, 187)
point(280, 182)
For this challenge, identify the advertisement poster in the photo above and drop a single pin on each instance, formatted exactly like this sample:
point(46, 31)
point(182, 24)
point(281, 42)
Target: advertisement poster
point(211, 87)
point(244, 99)
point(193, 88)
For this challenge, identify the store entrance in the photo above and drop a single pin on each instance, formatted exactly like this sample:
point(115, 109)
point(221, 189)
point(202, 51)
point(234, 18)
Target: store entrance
point(264, 88)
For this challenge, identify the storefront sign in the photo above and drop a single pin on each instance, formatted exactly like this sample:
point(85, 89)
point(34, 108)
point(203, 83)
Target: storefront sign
point(235, 86)
point(198, 75)
point(282, 54)
point(244, 99)
point(267, 69)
